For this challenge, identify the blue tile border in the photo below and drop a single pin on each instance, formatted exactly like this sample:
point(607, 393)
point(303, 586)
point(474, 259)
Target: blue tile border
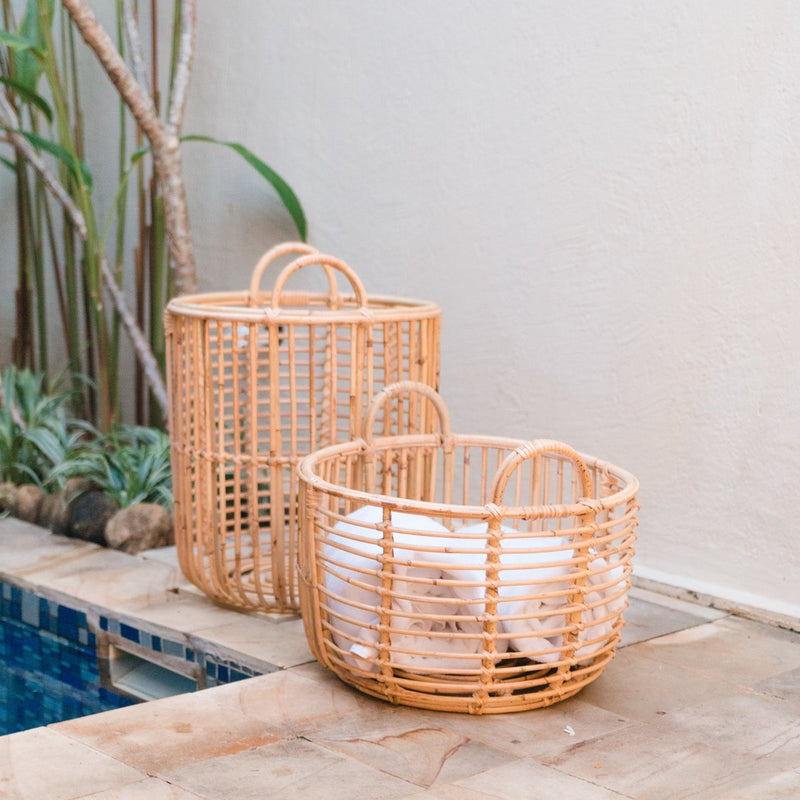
point(49, 660)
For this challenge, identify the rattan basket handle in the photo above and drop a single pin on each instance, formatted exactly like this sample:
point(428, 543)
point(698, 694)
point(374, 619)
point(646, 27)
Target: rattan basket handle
point(298, 248)
point(329, 264)
point(531, 450)
point(401, 387)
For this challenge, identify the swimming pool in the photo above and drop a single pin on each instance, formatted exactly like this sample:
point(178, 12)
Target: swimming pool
point(58, 661)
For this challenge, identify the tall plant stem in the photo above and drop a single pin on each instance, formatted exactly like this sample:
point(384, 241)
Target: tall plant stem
point(163, 137)
point(24, 148)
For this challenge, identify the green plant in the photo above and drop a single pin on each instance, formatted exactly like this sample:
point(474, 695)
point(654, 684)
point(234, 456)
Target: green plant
point(41, 443)
point(36, 432)
point(130, 463)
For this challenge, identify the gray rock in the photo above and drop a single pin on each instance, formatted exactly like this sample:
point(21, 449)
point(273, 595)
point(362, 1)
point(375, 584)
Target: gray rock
point(29, 498)
point(88, 515)
point(73, 488)
point(140, 527)
point(50, 506)
point(8, 497)
point(59, 521)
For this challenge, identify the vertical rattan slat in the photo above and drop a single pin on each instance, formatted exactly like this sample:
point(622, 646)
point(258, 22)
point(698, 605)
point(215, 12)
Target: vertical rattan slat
point(257, 379)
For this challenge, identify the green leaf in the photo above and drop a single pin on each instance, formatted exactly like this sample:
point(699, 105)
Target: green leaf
point(10, 164)
point(47, 443)
point(285, 192)
point(29, 64)
point(75, 165)
point(25, 94)
point(28, 472)
point(13, 41)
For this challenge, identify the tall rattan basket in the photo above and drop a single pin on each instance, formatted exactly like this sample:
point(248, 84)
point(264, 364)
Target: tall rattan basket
point(463, 573)
point(258, 379)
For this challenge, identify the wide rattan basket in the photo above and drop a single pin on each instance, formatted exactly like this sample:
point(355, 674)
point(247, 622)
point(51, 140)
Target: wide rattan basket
point(463, 573)
point(258, 379)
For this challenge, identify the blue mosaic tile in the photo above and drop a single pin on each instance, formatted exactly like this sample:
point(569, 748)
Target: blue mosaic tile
point(30, 609)
point(128, 632)
point(156, 643)
point(68, 622)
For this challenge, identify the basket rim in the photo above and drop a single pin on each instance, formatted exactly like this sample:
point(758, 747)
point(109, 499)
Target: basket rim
point(307, 464)
point(233, 306)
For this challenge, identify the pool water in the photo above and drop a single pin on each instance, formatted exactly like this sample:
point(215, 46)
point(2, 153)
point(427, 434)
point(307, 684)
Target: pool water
point(48, 663)
point(54, 667)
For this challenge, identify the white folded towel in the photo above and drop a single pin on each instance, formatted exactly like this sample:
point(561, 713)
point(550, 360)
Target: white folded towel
point(435, 620)
point(533, 611)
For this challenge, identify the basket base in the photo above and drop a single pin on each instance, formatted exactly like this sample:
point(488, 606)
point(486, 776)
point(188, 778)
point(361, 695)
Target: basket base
point(528, 686)
point(248, 589)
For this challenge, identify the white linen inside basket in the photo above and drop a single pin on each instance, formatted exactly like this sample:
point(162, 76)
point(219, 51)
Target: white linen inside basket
point(533, 609)
point(435, 618)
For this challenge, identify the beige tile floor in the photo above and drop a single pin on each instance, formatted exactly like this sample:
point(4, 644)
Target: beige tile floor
point(697, 704)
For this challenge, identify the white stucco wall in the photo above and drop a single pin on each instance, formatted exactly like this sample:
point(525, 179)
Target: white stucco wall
point(603, 198)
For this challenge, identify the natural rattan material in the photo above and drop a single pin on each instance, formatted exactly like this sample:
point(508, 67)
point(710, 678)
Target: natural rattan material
point(441, 620)
point(258, 379)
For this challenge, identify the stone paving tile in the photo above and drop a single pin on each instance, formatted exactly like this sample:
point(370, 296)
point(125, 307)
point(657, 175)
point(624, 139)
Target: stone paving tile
point(537, 732)
point(186, 613)
point(292, 769)
point(526, 779)
point(641, 688)
point(106, 578)
point(732, 648)
point(417, 755)
point(748, 725)
point(413, 748)
point(169, 733)
point(547, 731)
point(661, 760)
point(450, 791)
point(288, 703)
point(469, 759)
point(770, 786)
point(784, 686)
point(647, 620)
point(148, 789)
point(26, 546)
point(282, 645)
point(40, 764)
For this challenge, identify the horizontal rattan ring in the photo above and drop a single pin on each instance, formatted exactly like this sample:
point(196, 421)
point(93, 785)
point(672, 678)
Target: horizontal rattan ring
point(308, 465)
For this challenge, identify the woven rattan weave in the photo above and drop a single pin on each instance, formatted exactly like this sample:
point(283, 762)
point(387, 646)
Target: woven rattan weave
point(463, 573)
point(258, 379)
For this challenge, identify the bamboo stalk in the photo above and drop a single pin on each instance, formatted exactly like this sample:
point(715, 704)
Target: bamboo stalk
point(78, 224)
point(163, 138)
